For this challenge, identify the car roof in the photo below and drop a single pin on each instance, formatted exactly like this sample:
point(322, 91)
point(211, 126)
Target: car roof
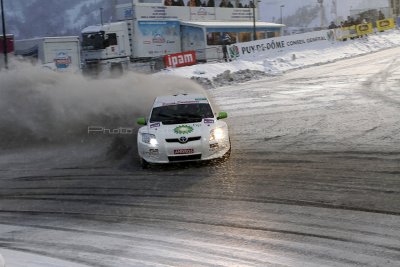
point(180, 99)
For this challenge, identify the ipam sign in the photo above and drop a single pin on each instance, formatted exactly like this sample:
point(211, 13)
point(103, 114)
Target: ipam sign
point(180, 59)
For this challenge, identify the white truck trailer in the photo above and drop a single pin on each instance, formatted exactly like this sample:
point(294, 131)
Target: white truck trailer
point(152, 29)
point(58, 53)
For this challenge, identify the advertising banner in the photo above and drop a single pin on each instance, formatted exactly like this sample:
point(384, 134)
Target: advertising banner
point(161, 13)
point(185, 13)
point(363, 29)
point(158, 38)
point(202, 13)
point(385, 24)
point(10, 44)
point(271, 46)
point(236, 14)
point(345, 33)
point(124, 12)
point(180, 59)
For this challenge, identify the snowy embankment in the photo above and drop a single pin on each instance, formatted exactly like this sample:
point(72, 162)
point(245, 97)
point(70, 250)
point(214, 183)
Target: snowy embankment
point(219, 74)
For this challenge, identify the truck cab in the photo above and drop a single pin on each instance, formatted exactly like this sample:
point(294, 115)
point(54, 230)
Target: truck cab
point(106, 44)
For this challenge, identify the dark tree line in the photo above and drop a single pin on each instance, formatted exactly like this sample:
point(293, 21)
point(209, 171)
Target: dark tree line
point(37, 18)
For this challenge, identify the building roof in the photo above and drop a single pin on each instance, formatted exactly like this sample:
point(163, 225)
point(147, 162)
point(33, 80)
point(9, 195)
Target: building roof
point(231, 24)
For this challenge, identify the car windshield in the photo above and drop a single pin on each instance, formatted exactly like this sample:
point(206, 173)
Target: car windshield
point(181, 113)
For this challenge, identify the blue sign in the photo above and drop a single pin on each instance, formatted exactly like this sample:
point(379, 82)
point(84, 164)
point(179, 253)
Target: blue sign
point(62, 60)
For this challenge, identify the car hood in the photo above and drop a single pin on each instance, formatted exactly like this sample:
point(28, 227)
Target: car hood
point(183, 129)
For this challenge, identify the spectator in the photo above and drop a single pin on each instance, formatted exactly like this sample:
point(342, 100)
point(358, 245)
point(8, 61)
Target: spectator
point(168, 2)
point(381, 15)
point(178, 3)
point(226, 40)
point(210, 3)
point(239, 5)
point(225, 3)
point(350, 21)
point(251, 4)
point(191, 3)
point(332, 25)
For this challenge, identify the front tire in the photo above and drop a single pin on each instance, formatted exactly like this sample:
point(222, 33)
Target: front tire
point(227, 155)
point(144, 163)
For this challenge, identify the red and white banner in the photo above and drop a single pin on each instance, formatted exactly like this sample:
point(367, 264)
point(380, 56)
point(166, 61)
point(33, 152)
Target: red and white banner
point(180, 59)
point(10, 44)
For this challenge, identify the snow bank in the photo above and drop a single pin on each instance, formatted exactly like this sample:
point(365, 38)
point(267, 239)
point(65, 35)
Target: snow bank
point(219, 74)
point(24, 259)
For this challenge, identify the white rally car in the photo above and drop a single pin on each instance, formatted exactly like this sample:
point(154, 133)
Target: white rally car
point(182, 128)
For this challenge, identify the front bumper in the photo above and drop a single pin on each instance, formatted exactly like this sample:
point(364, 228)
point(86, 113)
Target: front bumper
point(168, 152)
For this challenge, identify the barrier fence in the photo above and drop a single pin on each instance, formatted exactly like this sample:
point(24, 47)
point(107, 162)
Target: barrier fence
point(265, 47)
point(344, 33)
point(271, 46)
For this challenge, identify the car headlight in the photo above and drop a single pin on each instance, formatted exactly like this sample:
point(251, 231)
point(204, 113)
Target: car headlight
point(149, 139)
point(216, 134)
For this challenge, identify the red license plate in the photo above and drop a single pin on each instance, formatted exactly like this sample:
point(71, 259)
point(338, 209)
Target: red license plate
point(183, 151)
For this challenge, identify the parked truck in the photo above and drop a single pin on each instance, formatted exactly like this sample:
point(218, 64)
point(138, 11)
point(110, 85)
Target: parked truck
point(113, 46)
point(150, 30)
point(106, 46)
point(57, 53)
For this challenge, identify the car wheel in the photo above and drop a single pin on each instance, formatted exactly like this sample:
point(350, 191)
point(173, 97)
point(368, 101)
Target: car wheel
point(144, 163)
point(227, 155)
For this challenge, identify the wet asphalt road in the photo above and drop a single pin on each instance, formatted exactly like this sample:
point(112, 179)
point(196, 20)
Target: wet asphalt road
point(313, 180)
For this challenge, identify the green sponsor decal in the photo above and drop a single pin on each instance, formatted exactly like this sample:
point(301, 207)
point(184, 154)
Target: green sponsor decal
point(200, 99)
point(233, 51)
point(183, 129)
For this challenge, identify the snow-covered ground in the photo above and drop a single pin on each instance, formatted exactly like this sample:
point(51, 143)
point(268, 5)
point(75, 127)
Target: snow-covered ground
point(24, 259)
point(300, 57)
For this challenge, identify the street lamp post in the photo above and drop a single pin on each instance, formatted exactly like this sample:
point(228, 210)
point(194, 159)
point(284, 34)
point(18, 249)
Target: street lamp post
point(321, 3)
point(282, 6)
point(254, 20)
point(4, 36)
point(101, 15)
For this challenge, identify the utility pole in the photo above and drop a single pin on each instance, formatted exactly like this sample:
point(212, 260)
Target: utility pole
point(321, 2)
point(3, 21)
point(114, 9)
point(254, 20)
point(101, 15)
point(282, 6)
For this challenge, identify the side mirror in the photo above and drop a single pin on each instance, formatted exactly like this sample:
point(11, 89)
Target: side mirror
point(141, 121)
point(106, 43)
point(222, 115)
